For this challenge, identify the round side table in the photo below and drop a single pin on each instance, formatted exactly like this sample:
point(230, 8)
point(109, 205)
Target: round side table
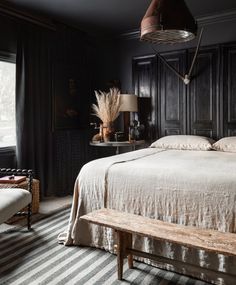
point(118, 145)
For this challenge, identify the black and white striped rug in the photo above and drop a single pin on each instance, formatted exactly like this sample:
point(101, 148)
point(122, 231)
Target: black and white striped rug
point(35, 258)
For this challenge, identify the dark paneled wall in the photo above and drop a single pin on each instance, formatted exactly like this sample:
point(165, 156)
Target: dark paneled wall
point(206, 106)
point(145, 85)
point(229, 89)
point(201, 104)
point(203, 94)
point(171, 96)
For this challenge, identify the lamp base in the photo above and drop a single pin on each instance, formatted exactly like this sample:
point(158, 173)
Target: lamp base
point(126, 117)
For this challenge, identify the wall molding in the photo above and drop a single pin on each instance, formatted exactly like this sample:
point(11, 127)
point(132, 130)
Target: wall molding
point(130, 35)
point(204, 20)
point(13, 11)
point(225, 16)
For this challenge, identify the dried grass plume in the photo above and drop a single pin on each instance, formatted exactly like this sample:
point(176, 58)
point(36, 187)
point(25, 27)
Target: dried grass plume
point(108, 105)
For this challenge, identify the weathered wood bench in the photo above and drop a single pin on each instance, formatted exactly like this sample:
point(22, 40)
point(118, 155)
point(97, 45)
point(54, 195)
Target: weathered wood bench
point(126, 224)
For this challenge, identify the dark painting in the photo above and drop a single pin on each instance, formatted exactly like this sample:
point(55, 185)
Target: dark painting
point(70, 99)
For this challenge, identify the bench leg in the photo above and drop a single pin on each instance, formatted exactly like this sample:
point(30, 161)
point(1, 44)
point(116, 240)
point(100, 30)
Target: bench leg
point(129, 245)
point(130, 261)
point(120, 254)
point(124, 241)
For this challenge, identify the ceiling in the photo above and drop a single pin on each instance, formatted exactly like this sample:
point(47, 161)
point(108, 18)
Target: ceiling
point(110, 16)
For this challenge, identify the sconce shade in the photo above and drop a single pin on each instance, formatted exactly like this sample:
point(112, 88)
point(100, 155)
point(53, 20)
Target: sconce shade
point(129, 103)
point(168, 22)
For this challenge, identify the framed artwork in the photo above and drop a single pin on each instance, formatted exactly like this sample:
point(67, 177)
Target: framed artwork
point(70, 104)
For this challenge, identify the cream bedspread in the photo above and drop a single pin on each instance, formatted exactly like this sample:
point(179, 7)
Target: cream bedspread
point(187, 187)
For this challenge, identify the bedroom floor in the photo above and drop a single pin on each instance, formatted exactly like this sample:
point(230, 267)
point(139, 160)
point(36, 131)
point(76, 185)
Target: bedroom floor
point(104, 273)
point(54, 203)
point(36, 258)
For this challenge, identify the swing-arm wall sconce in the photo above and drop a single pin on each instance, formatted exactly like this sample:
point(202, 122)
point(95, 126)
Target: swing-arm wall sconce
point(186, 77)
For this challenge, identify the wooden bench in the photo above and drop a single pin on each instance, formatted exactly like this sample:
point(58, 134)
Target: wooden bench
point(126, 224)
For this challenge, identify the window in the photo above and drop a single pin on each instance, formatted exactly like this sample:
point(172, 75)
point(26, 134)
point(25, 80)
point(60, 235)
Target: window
point(7, 101)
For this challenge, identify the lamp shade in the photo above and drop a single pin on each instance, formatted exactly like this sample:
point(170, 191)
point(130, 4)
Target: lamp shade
point(168, 21)
point(129, 103)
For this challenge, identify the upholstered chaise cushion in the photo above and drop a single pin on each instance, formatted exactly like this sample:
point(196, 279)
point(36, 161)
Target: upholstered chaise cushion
point(12, 200)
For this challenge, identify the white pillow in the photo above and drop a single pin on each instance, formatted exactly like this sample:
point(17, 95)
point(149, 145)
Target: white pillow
point(187, 142)
point(227, 144)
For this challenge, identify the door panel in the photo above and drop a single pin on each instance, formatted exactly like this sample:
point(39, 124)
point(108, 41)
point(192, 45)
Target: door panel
point(172, 95)
point(203, 95)
point(229, 90)
point(145, 86)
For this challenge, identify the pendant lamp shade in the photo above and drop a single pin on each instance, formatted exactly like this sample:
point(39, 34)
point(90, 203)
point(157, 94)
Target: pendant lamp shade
point(168, 22)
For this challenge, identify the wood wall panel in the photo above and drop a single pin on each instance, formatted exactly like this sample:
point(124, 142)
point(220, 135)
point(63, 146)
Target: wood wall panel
point(145, 86)
point(172, 96)
point(229, 89)
point(207, 106)
point(203, 94)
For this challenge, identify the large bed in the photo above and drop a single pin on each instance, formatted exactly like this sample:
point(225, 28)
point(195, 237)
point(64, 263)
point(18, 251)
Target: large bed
point(188, 187)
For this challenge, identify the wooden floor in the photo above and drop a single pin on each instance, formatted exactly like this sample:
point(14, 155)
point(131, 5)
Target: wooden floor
point(54, 203)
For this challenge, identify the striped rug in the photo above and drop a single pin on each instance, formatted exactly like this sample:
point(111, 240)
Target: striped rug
point(35, 258)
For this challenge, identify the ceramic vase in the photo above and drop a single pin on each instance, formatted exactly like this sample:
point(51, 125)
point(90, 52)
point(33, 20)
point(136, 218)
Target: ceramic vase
point(108, 131)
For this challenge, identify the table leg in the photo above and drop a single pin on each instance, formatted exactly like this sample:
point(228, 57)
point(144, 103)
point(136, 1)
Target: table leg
point(117, 150)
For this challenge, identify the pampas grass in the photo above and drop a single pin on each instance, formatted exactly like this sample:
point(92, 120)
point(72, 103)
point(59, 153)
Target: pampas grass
point(108, 105)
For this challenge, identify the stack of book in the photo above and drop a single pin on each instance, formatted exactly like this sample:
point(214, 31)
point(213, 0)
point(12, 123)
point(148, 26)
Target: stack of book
point(12, 179)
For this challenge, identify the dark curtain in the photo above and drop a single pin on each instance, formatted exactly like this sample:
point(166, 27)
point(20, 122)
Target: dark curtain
point(34, 104)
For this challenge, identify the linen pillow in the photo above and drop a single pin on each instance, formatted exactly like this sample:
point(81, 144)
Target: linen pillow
point(227, 144)
point(188, 142)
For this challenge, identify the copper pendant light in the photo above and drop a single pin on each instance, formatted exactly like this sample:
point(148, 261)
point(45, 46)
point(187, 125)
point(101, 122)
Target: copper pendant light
point(168, 21)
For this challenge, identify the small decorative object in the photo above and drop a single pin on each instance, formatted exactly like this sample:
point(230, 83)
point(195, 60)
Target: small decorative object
point(108, 131)
point(135, 131)
point(119, 136)
point(12, 179)
point(98, 137)
point(107, 110)
point(131, 133)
